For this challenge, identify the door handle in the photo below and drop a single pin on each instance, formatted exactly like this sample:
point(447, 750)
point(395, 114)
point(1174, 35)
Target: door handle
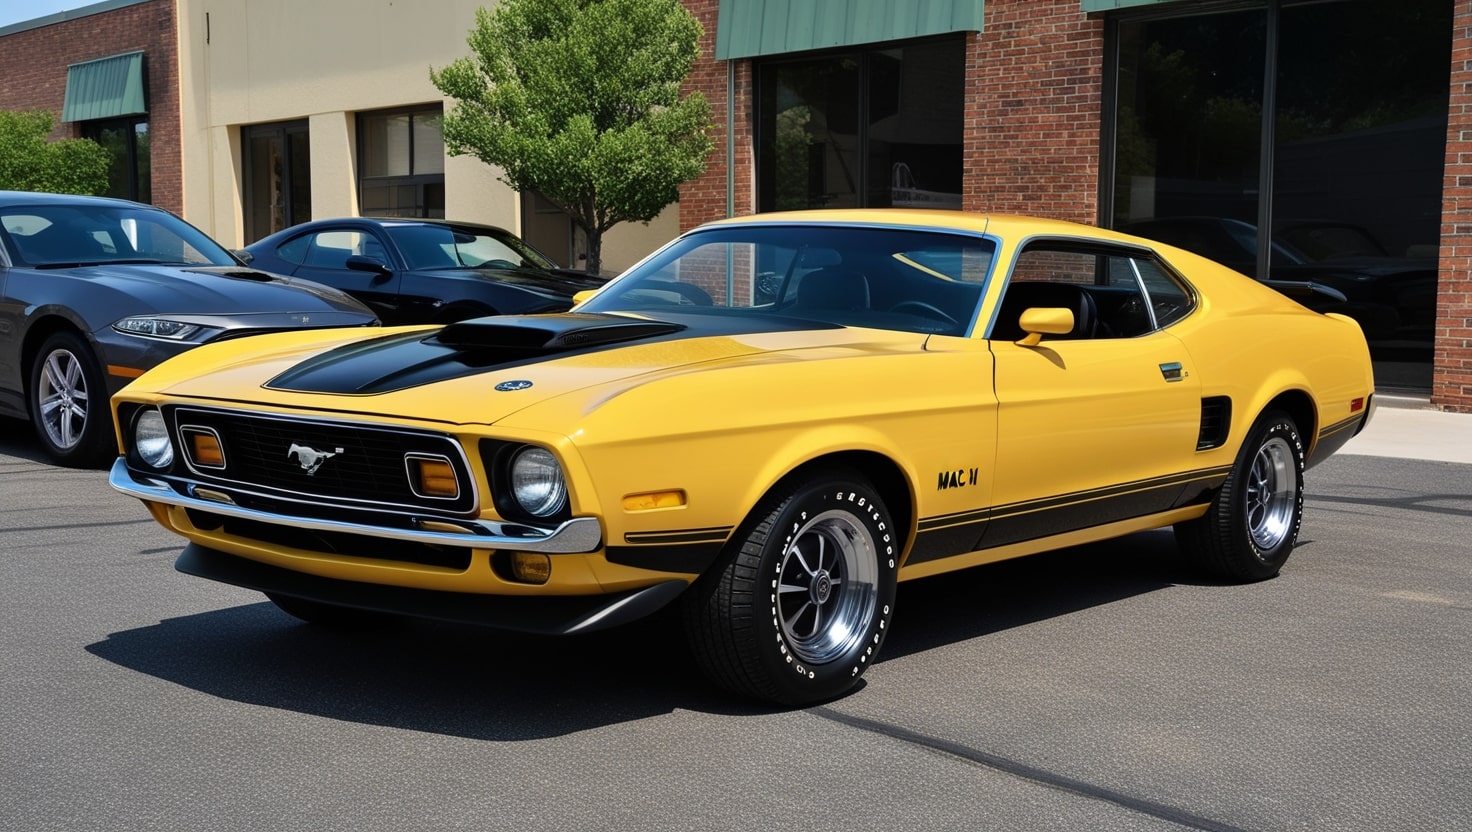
point(1172, 371)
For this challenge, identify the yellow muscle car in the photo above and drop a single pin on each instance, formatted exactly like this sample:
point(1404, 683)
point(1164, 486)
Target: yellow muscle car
point(770, 422)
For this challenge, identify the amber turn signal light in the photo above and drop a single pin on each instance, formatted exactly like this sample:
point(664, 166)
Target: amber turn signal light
point(205, 449)
point(531, 567)
point(652, 500)
point(432, 477)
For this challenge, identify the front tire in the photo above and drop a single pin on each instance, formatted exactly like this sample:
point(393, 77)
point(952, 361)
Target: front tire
point(797, 608)
point(1253, 522)
point(68, 402)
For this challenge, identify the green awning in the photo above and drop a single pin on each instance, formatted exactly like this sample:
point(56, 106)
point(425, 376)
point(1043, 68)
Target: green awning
point(747, 28)
point(104, 88)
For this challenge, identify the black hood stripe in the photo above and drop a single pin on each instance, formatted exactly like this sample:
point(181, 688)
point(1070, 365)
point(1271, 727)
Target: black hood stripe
point(484, 345)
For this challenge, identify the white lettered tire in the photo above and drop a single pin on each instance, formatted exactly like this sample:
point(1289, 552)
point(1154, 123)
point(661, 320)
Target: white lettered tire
point(797, 607)
point(1252, 525)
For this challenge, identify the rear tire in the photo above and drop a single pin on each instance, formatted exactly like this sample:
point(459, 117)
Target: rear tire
point(797, 607)
point(69, 402)
point(1253, 522)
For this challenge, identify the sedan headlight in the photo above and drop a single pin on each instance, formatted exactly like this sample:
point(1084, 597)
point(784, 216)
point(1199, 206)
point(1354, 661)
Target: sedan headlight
point(151, 439)
point(156, 327)
point(537, 482)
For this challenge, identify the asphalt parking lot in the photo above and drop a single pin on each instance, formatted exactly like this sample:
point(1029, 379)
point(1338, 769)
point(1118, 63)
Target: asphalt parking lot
point(1099, 688)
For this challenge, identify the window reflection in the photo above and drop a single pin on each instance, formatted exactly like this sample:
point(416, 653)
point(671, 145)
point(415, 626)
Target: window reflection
point(861, 129)
point(129, 173)
point(1358, 135)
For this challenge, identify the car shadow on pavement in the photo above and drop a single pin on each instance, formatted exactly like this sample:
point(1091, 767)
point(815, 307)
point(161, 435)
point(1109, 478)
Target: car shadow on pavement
point(452, 679)
point(476, 683)
point(972, 603)
point(18, 439)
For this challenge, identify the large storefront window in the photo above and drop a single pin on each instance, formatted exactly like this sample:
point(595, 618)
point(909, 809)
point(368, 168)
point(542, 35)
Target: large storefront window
point(1354, 122)
point(864, 128)
point(129, 174)
point(402, 163)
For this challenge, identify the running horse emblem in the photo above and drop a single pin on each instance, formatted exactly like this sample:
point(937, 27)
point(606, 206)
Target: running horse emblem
point(310, 458)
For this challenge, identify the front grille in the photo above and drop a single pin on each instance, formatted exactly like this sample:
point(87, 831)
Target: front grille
point(322, 462)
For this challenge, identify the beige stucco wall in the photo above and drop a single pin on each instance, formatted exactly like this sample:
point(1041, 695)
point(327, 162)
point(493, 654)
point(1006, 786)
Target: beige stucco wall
point(249, 62)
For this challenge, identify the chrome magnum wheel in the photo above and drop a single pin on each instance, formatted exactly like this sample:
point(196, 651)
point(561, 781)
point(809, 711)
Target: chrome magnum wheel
point(68, 402)
point(1272, 494)
point(796, 608)
point(1252, 524)
point(827, 581)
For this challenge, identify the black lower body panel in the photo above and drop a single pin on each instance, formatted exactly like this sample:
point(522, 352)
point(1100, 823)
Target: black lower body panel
point(545, 614)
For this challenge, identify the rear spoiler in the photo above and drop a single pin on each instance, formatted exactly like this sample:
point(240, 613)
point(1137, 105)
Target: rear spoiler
point(1306, 290)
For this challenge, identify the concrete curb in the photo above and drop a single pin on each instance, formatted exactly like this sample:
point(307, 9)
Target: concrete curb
point(1408, 427)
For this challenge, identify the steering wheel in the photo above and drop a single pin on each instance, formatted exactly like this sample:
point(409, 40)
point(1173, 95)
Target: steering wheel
point(927, 310)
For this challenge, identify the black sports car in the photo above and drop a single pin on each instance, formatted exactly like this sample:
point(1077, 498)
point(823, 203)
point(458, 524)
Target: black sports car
point(420, 271)
point(94, 291)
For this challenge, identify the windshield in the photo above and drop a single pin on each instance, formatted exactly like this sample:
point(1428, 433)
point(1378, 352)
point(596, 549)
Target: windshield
point(452, 247)
point(906, 280)
point(87, 234)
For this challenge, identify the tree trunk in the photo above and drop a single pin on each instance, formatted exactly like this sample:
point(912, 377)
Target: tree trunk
point(595, 251)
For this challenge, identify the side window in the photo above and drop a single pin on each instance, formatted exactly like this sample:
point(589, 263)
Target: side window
point(331, 249)
point(1039, 264)
point(295, 250)
point(1054, 277)
point(1112, 293)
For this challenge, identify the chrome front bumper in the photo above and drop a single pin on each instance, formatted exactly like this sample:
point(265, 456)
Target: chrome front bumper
point(576, 536)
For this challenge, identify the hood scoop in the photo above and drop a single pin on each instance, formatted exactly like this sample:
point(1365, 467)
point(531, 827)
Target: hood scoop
point(543, 334)
point(238, 272)
point(405, 360)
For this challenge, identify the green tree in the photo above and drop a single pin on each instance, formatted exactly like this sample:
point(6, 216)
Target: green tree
point(29, 163)
point(580, 100)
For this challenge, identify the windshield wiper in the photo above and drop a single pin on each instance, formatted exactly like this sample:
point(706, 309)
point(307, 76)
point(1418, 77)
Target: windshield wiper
point(133, 261)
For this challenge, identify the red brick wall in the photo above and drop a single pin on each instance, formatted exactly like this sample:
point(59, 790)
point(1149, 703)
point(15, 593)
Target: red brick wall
point(1033, 98)
point(704, 199)
point(1033, 110)
point(1034, 103)
point(1451, 380)
point(33, 77)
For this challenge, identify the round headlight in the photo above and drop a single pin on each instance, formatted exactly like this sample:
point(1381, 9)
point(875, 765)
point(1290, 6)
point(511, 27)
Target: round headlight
point(537, 483)
point(151, 439)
